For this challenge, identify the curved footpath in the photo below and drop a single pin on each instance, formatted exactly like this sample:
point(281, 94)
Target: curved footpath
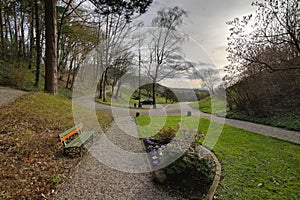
point(279, 133)
point(94, 180)
point(9, 95)
point(182, 108)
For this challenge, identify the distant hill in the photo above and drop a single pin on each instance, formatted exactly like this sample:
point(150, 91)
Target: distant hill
point(174, 94)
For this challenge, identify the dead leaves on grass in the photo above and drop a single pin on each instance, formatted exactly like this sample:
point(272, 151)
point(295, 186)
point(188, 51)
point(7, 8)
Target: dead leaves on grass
point(28, 164)
point(32, 164)
point(31, 154)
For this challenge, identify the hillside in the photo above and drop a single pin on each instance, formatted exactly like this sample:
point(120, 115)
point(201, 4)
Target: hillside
point(32, 165)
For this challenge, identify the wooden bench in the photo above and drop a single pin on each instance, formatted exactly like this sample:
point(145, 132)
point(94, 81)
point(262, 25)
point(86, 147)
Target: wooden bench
point(75, 137)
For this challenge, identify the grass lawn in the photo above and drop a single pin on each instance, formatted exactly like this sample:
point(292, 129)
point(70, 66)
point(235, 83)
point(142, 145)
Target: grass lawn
point(288, 120)
point(32, 163)
point(255, 166)
point(122, 100)
point(205, 105)
point(126, 94)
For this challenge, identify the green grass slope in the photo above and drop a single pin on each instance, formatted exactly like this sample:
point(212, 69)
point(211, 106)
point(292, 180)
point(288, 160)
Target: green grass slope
point(254, 166)
point(210, 105)
point(287, 119)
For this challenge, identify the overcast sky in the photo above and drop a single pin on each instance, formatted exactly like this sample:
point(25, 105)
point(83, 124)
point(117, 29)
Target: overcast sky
point(206, 23)
point(207, 31)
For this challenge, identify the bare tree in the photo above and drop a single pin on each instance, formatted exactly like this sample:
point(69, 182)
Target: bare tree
point(163, 45)
point(116, 44)
point(264, 55)
point(117, 17)
point(65, 15)
point(210, 77)
point(121, 67)
point(274, 42)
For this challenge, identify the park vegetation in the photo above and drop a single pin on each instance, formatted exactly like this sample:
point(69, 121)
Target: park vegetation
point(54, 40)
point(51, 39)
point(263, 75)
point(254, 165)
point(44, 44)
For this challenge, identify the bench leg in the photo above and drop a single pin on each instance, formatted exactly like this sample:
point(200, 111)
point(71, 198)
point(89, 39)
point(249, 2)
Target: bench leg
point(81, 150)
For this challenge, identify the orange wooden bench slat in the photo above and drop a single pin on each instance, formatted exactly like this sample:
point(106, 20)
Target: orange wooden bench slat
point(71, 133)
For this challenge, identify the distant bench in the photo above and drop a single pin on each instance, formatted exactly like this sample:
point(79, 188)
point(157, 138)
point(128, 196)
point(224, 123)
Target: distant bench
point(75, 137)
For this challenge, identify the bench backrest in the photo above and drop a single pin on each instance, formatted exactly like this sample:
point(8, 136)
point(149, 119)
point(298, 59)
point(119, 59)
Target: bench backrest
point(68, 133)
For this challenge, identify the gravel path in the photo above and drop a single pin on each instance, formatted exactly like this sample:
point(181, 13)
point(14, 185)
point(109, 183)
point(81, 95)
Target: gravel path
point(8, 95)
point(278, 133)
point(94, 180)
point(182, 108)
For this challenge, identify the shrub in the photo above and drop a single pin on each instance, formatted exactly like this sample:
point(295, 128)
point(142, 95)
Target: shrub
point(193, 172)
point(164, 136)
point(16, 76)
point(5, 74)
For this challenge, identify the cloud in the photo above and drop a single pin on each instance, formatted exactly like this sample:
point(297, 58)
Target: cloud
point(206, 21)
point(184, 83)
point(206, 27)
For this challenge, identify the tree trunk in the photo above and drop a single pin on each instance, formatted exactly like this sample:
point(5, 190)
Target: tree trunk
point(22, 42)
point(69, 74)
point(153, 94)
point(75, 70)
point(113, 86)
point(104, 86)
point(9, 30)
point(100, 87)
point(106, 60)
point(63, 68)
point(31, 36)
point(5, 31)
point(63, 64)
point(1, 31)
point(51, 62)
point(118, 88)
point(16, 30)
point(38, 44)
